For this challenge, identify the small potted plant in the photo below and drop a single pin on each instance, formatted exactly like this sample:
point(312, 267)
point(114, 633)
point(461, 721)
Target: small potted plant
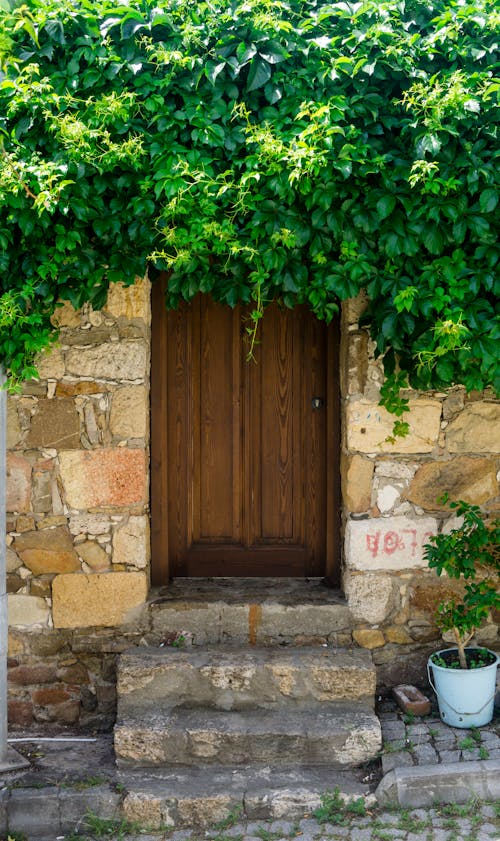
point(464, 677)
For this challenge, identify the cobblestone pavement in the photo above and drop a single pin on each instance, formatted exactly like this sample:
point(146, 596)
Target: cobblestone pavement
point(471, 822)
point(409, 740)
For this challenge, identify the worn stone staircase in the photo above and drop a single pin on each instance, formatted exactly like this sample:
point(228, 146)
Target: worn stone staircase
point(211, 728)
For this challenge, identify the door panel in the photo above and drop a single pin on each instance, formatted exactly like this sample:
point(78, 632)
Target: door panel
point(245, 473)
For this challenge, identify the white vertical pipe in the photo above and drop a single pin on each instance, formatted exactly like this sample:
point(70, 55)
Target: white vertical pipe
point(3, 579)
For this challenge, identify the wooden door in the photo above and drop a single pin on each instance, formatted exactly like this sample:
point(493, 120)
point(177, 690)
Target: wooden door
point(244, 454)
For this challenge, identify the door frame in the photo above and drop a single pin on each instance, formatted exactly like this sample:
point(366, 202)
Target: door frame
point(160, 572)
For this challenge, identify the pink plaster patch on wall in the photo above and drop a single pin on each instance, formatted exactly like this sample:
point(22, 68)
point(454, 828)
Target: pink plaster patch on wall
point(18, 484)
point(103, 477)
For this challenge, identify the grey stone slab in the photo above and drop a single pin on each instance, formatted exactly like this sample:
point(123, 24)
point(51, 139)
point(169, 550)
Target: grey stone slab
point(425, 755)
point(75, 804)
point(447, 783)
point(13, 761)
point(34, 812)
point(338, 735)
point(399, 759)
point(240, 678)
point(449, 756)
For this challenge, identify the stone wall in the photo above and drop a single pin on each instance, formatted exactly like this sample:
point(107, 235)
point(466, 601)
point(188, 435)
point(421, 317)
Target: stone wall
point(78, 518)
point(390, 495)
point(77, 503)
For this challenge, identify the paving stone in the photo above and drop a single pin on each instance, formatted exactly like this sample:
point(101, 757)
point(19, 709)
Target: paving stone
point(449, 755)
point(401, 759)
point(425, 755)
point(393, 730)
point(414, 730)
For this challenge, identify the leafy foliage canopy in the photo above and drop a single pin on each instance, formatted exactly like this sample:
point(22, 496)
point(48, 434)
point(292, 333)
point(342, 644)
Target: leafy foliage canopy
point(298, 150)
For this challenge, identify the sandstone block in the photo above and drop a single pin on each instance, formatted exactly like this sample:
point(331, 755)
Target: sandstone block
point(55, 424)
point(425, 596)
point(13, 561)
point(109, 361)
point(103, 477)
point(367, 638)
point(357, 485)
point(106, 600)
point(353, 308)
point(30, 675)
point(50, 364)
point(66, 316)
point(388, 543)
point(371, 598)
point(368, 425)
point(398, 635)
point(27, 610)
point(475, 430)
point(471, 479)
point(20, 713)
point(129, 412)
point(131, 542)
point(143, 809)
point(18, 483)
point(94, 555)
point(129, 301)
point(14, 431)
point(75, 389)
point(89, 524)
point(49, 550)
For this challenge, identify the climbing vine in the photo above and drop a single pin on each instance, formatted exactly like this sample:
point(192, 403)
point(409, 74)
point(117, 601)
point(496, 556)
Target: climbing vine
point(299, 150)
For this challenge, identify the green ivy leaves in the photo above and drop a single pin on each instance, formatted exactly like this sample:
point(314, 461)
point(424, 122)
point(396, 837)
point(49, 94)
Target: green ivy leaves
point(259, 150)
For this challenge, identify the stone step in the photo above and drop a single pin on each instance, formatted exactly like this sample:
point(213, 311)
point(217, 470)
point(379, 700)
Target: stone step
point(206, 796)
point(250, 612)
point(339, 734)
point(232, 679)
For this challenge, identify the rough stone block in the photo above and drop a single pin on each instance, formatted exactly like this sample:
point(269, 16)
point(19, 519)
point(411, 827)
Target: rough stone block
point(475, 430)
point(106, 600)
point(28, 813)
point(55, 424)
point(129, 412)
point(368, 425)
point(131, 542)
point(115, 361)
point(103, 477)
point(371, 598)
point(388, 543)
point(18, 483)
point(368, 638)
point(14, 431)
point(357, 484)
point(129, 301)
point(49, 550)
point(94, 555)
point(50, 364)
point(471, 479)
point(27, 610)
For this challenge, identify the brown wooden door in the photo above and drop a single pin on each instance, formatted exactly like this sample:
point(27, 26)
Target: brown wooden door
point(244, 473)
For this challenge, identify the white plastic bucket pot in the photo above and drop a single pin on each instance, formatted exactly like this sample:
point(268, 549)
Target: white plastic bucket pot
point(465, 696)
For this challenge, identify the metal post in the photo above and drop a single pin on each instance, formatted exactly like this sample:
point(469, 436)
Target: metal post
point(9, 758)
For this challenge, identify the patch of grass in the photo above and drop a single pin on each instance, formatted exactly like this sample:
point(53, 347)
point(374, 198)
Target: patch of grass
point(265, 835)
point(467, 744)
point(230, 820)
point(410, 823)
point(336, 811)
point(104, 827)
point(483, 752)
point(460, 810)
point(409, 718)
